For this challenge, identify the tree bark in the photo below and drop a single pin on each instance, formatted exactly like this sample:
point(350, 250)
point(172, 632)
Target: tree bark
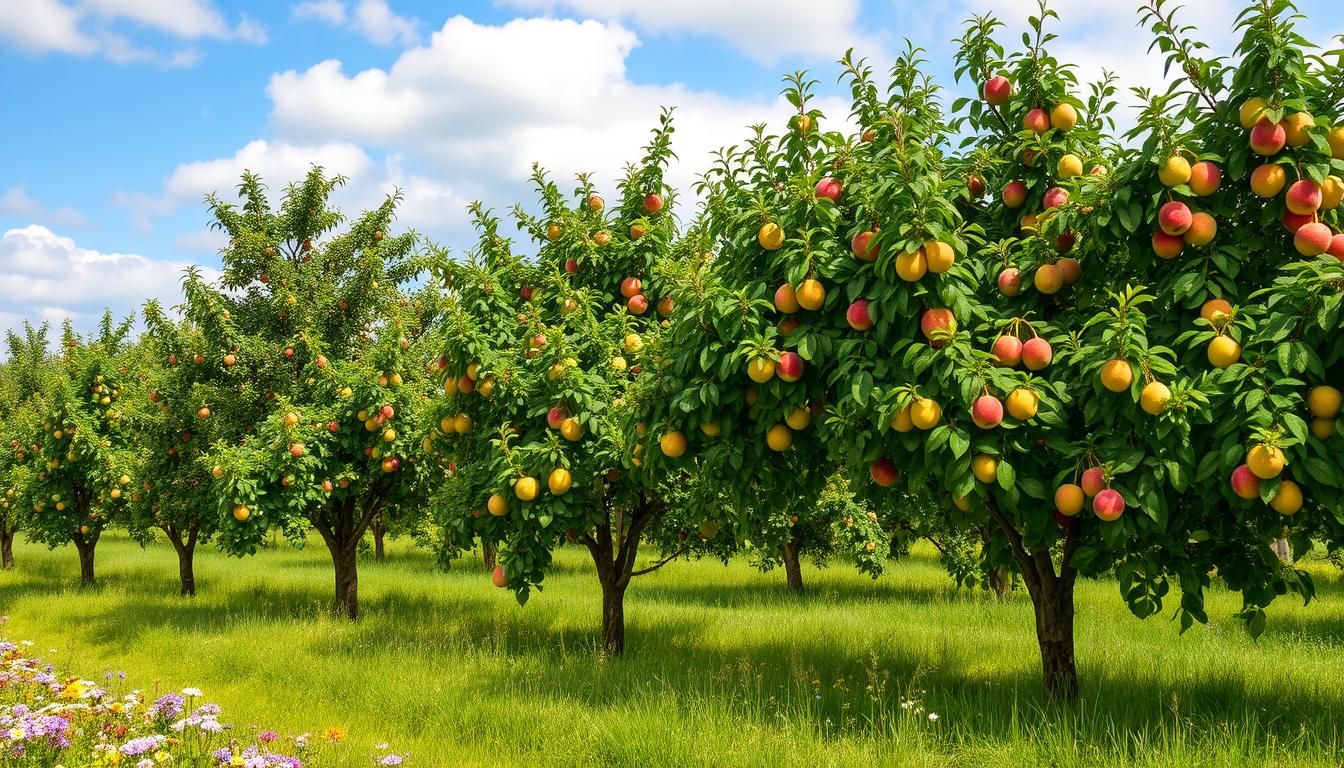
point(86, 549)
point(1001, 581)
point(186, 555)
point(1054, 634)
point(793, 569)
point(379, 530)
point(7, 550)
point(1284, 550)
point(488, 555)
point(613, 617)
point(1052, 602)
point(347, 577)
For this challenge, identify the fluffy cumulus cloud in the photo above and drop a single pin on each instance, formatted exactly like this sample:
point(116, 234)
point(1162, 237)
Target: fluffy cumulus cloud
point(467, 113)
point(45, 276)
point(88, 27)
point(766, 30)
point(373, 19)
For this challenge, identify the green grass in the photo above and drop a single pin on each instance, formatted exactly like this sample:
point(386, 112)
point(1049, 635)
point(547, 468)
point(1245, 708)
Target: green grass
point(723, 667)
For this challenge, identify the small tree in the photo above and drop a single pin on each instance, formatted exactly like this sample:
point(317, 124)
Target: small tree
point(330, 335)
point(82, 458)
point(549, 368)
point(195, 398)
point(22, 407)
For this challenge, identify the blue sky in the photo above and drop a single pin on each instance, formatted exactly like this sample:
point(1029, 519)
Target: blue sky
point(119, 115)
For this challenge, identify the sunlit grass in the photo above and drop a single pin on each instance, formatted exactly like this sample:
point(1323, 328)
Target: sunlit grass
point(723, 666)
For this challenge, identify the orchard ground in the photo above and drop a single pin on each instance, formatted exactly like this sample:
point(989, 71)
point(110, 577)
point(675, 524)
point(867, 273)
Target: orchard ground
point(724, 666)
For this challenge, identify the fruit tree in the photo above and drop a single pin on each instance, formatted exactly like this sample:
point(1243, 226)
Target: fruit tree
point(327, 328)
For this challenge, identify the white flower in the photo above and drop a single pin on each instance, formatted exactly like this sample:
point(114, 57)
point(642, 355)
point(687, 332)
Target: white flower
point(933, 717)
point(192, 692)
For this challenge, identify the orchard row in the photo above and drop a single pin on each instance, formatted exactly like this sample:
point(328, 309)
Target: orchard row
point(1131, 370)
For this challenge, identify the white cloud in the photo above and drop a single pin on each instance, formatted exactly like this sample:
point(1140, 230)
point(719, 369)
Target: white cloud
point(478, 104)
point(44, 25)
point(765, 30)
point(88, 27)
point(186, 19)
point(373, 19)
point(380, 24)
point(17, 202)
point(327, 11)
point(47, 276)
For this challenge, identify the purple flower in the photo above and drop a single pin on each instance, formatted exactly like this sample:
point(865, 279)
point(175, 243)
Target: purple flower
point(268, 736)
point(390, 760)
point(169, 705)
point(140, 746)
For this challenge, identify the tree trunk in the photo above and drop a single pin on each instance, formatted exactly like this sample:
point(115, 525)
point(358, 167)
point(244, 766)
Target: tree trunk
point(1284, 550)
point(1052, 602)
point(186, 554)
point(1054, 633)
point(613, 617)
point(793, 569)
point(86, 549)
point(7, 550)
point(488, 555)
point(379, 530)
point(1001, 581)
point(347, 577)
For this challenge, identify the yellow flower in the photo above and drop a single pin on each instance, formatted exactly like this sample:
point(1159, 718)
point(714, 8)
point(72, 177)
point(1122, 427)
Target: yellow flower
point(73, 690)
point(116, 707)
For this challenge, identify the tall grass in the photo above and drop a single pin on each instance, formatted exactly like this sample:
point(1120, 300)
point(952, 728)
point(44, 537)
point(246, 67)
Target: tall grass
point(723, 667)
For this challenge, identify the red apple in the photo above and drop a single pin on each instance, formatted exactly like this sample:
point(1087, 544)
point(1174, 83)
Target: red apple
point(1313, 239)
point(1037, 120)
point(652, 203)
point(1303, 197)
point(987, 411)
point(1071, 268)
point(1174, 218)
point(863, 246)
point(1010, 281)
point(790, 367)
point(556, 416)
point(1055, 197)
point(1267, 138)
point(665, 306)
point(788, 325)
point(1244, 483)
point(630, 286)
point(1014, 194)
point(830, 189)
point(1167, 246)
point(1064, 243)
point(525, 293)
point(884, 472)
point(935, 319)
point(1109, 505)
point(1093, 481)
point(1336, 248)
point(1037, 353)
point(858, 315)
point(998, 90)
point(571, 265)
point(975, 184)
point(638, 304)
point(1294, 221)
point(1007, 351)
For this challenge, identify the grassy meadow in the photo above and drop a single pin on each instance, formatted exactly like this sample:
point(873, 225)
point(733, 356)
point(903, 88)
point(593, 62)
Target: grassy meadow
point(723, 666)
